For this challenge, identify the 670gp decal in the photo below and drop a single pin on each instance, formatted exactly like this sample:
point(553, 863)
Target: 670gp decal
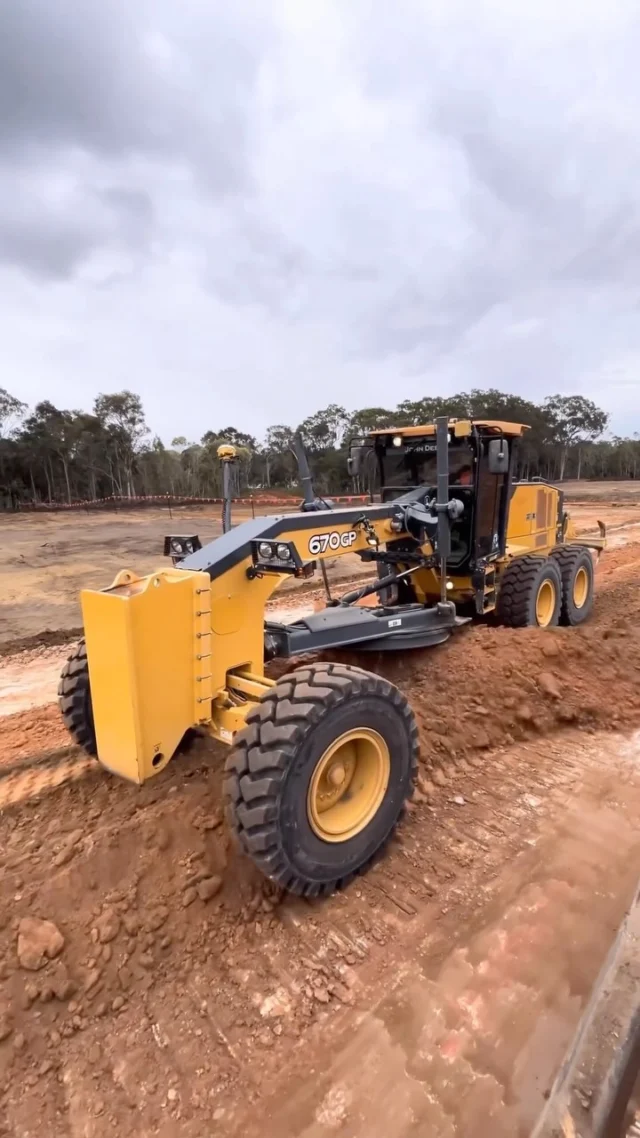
point(321, 542)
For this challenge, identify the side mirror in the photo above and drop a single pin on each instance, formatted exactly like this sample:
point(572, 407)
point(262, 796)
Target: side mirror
point(498, 453)
point(354, 461)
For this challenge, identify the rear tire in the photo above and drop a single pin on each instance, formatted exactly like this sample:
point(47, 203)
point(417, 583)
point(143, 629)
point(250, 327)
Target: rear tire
point(576, 570)
point(286, 769)
point(530, 593)
point(74, 699)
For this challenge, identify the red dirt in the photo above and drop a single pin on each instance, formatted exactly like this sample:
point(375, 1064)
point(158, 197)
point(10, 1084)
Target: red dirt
point(32, 735)
point(174, 1000)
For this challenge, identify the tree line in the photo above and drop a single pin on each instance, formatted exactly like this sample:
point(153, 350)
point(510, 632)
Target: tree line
point(49, 454)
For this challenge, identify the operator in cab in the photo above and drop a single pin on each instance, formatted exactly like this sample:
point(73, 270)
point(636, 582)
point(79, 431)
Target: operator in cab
point(463, 477)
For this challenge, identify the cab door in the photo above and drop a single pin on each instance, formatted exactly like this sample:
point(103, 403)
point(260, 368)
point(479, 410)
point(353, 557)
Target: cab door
point(490, 513)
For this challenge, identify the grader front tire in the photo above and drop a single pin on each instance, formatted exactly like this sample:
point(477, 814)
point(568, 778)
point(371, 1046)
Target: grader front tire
point(319, 777)
point(74, 699)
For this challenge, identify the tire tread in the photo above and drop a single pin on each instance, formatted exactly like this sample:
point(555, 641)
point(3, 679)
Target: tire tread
point(567, 558)
point(519, 580)
point(256, 767)
point(74, 699)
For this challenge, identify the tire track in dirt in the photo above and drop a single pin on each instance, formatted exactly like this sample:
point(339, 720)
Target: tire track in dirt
point(258, 985)
point(224, 1005)
point(475, 999)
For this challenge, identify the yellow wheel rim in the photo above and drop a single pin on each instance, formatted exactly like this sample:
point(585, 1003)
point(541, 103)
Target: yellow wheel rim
point(545, 603)
point(348, 785)
point(580, 588)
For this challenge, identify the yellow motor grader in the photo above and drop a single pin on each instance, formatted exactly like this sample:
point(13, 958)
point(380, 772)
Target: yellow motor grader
point(323, 759)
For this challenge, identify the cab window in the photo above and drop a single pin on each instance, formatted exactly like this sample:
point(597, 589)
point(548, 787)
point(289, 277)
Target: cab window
point(415, 464)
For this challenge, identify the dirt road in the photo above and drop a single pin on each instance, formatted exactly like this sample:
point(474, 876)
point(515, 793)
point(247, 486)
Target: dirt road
point(184, 997)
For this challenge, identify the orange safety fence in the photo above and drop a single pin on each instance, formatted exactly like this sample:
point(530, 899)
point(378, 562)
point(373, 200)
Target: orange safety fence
point(115, 501)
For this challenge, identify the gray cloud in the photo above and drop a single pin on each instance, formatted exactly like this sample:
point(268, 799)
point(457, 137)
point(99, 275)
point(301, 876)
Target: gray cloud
point(87, 89)
point(72, 75)
point(347, 202)
point(43, 249)
point(145, 78)
point(50, 230)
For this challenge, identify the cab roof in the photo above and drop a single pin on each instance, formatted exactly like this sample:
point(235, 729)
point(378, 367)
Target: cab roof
point(460, 428)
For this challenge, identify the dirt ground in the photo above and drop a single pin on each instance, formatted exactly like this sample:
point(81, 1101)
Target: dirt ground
point(174, 993)
point(612, 492)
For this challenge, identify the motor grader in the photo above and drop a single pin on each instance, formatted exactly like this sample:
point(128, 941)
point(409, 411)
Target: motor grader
point(323, 759)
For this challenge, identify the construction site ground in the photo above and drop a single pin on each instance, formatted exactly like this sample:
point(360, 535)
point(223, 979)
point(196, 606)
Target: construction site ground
point(175, 993)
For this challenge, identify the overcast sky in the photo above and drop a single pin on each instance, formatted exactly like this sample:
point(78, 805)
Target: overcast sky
point(246, 211)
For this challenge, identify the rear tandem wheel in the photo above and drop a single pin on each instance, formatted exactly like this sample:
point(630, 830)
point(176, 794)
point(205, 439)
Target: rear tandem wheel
point(576, 570)
point(530, 593)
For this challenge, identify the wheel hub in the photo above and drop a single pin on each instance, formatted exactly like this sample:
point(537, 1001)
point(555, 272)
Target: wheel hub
point(580, 588)
point(336, 774)
point(348, 785)
point(545, 603)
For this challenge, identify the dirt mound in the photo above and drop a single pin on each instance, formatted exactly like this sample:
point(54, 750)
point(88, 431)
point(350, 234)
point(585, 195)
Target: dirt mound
point(124, 885)
point(489, 687)
point(496, 686)
point(48, 638)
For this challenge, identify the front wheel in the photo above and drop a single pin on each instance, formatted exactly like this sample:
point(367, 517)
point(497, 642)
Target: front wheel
point(74, 699)
point(318, 778)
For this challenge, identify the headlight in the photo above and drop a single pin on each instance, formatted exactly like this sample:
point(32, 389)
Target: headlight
point(180, 545)
point(397, 440)
point(283, 553)
point(265, 550)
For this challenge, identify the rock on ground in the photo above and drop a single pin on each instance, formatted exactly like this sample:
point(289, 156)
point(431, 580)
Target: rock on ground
point(38, 942)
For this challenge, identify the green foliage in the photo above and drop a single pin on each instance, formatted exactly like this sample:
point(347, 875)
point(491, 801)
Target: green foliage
point(325, 429)
point(232, 436)
point(371, 419)
point(10, 409)
point(574, 420)
point(53, 454)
